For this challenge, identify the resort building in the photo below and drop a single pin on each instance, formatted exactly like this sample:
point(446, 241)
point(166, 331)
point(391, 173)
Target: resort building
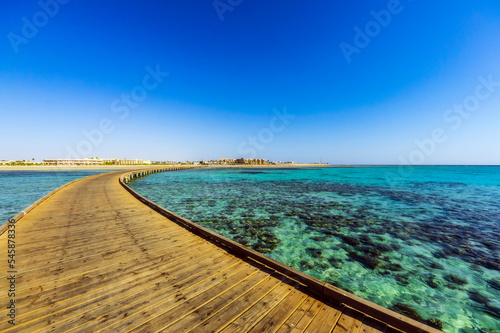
point(239, 161)
point(76, 161)
point(95, 161)
point(19, 162)
point(227, 161)
point(130, 162)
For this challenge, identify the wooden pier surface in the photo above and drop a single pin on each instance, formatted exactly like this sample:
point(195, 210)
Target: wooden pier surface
point(92, 257)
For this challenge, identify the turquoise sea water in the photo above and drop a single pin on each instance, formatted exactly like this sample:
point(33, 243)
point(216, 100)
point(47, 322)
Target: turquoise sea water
point(19, 189)
point(422, 241)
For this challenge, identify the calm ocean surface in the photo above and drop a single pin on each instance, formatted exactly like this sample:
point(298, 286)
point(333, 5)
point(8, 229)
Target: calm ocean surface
point(19, 189)
point(426, 244)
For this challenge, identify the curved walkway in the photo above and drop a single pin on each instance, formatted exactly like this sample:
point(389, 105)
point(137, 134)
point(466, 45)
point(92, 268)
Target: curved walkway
point(91, 257)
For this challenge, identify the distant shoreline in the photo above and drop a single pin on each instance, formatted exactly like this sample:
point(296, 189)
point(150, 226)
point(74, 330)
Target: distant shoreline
point(270, 165)
point(131, 167)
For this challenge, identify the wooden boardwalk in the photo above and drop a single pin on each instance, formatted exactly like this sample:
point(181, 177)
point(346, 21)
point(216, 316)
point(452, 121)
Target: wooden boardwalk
point(92, 257)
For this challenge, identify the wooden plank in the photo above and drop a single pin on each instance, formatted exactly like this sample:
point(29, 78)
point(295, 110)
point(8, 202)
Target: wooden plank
point(189, 314)
point(308, 317)
point(326, 319)
point(350, 321)
point(140, 320)
point(116, 264)
point(37, 203)
point(139, 269)
point(57, 303)
point(139, 300)
point(103, 254)
point(44, 281)
point(259, 310)
point(277, 316)
point(79, 241)
point(294, 319)
point(222, 318)
point(38, 264)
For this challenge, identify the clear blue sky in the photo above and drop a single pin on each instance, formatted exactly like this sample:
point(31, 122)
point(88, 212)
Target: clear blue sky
point(375, 97)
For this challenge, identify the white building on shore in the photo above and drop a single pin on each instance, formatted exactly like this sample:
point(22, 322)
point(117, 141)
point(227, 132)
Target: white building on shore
point(95, 161)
